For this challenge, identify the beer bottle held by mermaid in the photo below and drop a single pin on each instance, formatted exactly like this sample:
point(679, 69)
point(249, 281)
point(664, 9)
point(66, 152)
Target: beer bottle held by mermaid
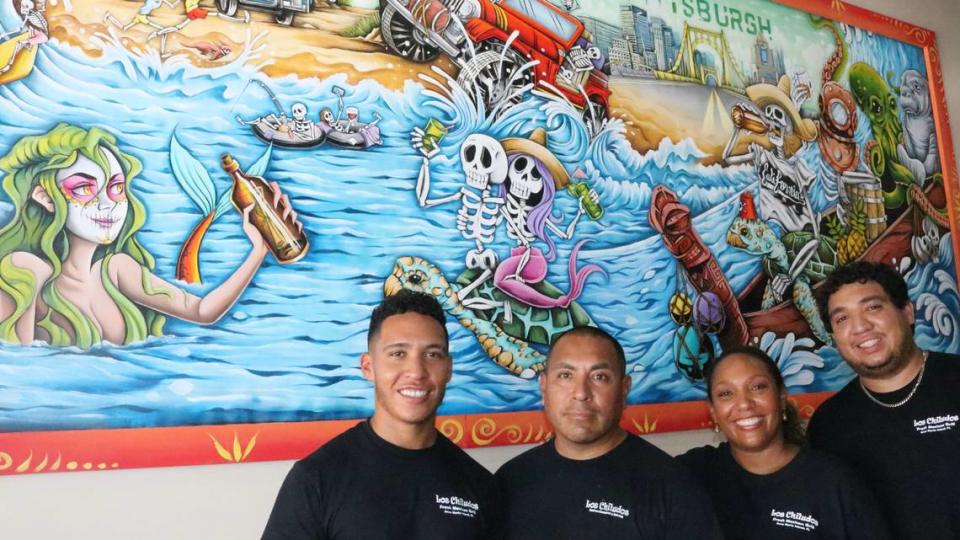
point(283, 237)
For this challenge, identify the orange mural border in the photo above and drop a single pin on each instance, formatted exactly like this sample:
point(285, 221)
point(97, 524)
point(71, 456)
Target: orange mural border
point(82, 450)
point(926, 39)
point(108, 449)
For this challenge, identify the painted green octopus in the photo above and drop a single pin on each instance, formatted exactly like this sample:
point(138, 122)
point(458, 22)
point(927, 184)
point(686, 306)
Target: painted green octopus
point(757, 238)
point(875, 99)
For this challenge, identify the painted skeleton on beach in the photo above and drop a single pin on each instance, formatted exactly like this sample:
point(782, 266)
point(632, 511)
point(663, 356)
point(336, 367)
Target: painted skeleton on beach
point(143, 16)
point(33, 22)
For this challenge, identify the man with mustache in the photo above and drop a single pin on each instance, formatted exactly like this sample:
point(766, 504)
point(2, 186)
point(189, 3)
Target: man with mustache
point(593, 480)
point(896, 422)
point(394, 475)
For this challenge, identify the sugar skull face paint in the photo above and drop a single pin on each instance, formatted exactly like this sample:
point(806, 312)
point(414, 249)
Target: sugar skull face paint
point(96, 203)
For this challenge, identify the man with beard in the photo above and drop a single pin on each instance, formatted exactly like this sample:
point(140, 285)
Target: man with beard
point(394, 475)
point(593, 480)
point(896, 422)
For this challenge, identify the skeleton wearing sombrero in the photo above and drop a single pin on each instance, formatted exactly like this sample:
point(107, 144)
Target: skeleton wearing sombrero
point(784, 179)
point(534, 177)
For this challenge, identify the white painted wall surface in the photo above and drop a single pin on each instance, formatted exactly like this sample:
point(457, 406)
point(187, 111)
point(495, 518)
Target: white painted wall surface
point(231, 502)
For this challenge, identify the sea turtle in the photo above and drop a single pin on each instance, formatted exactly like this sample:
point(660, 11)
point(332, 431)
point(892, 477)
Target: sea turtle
point(507, 342)
point(757, 238)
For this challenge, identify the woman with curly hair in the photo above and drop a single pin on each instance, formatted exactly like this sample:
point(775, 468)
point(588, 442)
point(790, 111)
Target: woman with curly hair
point(72, 271)
point(764, 482)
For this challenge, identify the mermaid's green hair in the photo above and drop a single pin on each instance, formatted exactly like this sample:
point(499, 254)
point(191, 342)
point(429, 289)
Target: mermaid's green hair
point(34, 161)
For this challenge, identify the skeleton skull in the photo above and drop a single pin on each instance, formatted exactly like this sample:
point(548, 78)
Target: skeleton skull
point(299, 111)
point(484, 161)
point(524, 178)
point(780, 124)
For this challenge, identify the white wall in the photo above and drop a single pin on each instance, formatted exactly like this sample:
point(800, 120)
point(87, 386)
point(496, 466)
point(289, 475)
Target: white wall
point(232, 501)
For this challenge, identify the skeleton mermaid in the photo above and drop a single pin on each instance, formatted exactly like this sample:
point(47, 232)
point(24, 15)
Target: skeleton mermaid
point(526, 207)
point(529, 192)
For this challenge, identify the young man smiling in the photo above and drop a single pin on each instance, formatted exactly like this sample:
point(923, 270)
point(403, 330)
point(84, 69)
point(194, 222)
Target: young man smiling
point(393, 476)
point(896, 422)
point(593, 480)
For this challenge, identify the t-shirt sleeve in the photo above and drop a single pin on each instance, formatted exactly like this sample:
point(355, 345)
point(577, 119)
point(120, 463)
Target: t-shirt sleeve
point(297, 512)
point(689, 512)
point(696, 461)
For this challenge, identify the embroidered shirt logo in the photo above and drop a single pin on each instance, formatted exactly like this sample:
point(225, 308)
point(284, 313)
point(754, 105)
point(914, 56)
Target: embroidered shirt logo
point(794, 520)
point(607, 509)
point(936, 424)
point(455, 506)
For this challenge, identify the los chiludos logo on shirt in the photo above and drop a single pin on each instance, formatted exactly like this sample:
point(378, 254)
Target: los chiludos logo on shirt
point(607, 509)
point(452, 505)
point(794, 520)
point(935, 424)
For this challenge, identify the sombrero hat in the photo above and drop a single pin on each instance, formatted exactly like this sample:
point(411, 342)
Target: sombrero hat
point(536, 146)
point(767, 94)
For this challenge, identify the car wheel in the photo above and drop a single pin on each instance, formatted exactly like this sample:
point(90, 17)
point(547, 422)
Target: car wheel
point(404, 39)
point(494, 76)
point(228, 7)
point(594, 115)
point(285, 17)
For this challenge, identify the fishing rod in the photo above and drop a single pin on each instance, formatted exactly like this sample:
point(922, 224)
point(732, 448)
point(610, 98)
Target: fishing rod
point(273, 97)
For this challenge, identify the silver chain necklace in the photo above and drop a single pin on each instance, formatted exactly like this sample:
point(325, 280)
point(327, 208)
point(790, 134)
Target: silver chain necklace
point(904, 400)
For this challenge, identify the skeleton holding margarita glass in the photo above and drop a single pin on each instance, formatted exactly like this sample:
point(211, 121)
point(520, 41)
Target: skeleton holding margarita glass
point(514, 181)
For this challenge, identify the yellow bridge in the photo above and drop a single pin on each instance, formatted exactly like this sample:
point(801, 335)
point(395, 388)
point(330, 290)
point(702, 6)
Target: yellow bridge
point(725, 73)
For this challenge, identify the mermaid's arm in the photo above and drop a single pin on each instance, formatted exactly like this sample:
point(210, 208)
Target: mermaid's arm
point(155, 293)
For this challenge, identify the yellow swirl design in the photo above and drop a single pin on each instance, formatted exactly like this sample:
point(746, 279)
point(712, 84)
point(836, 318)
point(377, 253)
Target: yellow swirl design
point(452, 429)
point(485, 431)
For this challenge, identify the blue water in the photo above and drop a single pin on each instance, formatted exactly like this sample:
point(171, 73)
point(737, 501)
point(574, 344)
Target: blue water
point(289, 349)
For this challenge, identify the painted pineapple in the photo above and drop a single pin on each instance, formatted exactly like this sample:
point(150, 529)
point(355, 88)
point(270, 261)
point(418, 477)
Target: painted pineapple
point(852, 239)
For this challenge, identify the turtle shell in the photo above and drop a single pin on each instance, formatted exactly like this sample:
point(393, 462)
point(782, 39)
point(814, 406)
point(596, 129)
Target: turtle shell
point(531, 324)
point(824, 260)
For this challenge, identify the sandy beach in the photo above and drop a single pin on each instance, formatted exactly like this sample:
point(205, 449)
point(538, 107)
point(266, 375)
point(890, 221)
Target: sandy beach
point(314, 46)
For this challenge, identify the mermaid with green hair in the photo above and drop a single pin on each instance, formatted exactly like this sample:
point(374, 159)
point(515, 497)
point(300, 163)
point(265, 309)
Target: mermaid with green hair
point(72, 271)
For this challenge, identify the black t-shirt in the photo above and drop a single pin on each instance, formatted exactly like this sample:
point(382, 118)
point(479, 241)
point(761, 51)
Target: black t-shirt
point(813, 496)
point(909, 455)
point(359, 486)
point(633, 491)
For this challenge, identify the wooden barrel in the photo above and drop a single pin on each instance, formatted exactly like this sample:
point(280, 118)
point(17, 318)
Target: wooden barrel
point(867, 188)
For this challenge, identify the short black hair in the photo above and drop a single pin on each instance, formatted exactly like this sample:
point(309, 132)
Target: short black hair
point(861, 272)
point(406, 301)
point(599, 333)
point(792, 428)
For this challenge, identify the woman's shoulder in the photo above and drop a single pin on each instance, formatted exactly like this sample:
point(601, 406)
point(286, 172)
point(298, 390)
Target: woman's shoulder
point(40, 267)
point(122, 263)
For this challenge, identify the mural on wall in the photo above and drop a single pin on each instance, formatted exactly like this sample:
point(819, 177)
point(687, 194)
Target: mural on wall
point(203, 202)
